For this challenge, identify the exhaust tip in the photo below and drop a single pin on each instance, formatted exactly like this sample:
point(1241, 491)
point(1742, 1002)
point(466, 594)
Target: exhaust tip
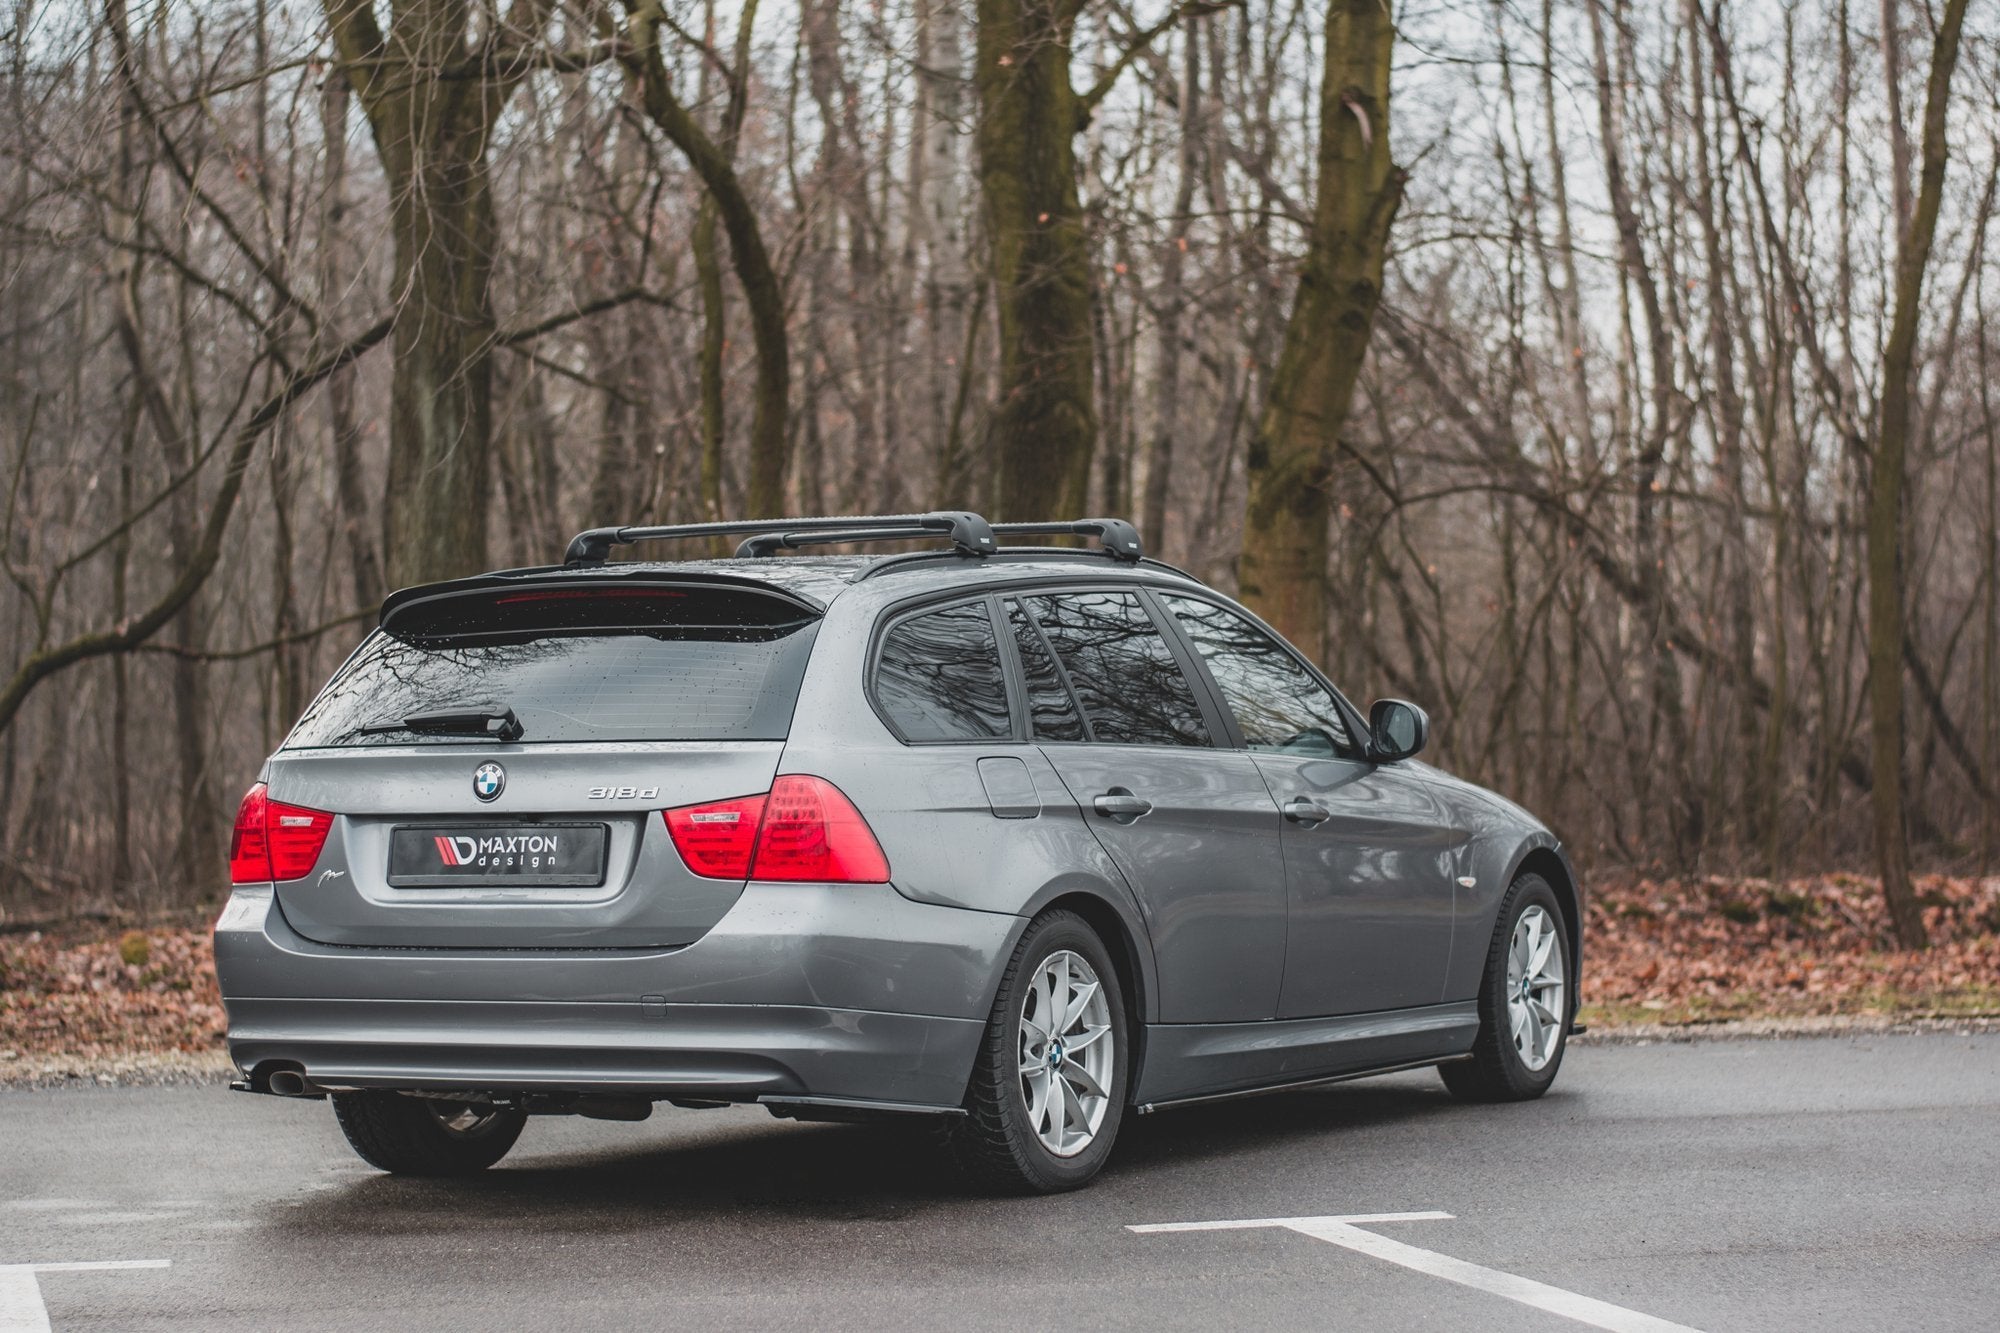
point(292, 1083)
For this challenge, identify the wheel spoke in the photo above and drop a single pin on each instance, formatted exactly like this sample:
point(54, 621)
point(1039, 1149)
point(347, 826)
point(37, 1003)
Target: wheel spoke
point(1085, 993)
point(1081, 1079)
point(1045, 1002)
point(1072, 1113)
point(1038, 1096)
point(1088, 1037)
point(1539, 963)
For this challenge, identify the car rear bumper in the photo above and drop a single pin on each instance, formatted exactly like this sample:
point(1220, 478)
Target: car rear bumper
point(724, 1052)
point(851, 994)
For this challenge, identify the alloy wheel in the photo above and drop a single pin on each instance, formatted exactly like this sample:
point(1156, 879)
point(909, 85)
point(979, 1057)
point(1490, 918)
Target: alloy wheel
point(1066, 1048)
point(1536, 1000)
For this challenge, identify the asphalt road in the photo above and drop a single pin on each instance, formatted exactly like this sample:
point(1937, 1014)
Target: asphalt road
point(1810, 1184)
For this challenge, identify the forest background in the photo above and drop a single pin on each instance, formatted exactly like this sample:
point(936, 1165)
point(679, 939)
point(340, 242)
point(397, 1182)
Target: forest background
point(1612, 377)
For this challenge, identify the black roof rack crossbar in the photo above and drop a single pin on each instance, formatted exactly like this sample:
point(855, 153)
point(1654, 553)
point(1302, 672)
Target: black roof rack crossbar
point(969, 533)
point(1119, 538)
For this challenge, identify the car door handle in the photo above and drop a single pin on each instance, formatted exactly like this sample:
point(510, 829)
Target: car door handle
point(1121, 805)
point(1302, 811)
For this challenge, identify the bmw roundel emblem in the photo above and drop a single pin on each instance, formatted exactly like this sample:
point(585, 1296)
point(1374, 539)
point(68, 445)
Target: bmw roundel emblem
point(488, 781)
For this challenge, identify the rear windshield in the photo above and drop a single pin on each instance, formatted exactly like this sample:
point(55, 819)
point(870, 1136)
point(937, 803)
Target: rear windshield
point(574, 664)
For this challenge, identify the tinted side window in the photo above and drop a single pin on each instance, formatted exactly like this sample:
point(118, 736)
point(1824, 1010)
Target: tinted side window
point(939, 678)
point(1277, 703)
point(1131, 687)
point(1051, 711)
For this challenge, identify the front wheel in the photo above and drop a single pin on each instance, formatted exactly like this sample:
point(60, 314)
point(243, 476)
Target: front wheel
point(1524, 1002)
point(1048, 1089)
point(424, 1136)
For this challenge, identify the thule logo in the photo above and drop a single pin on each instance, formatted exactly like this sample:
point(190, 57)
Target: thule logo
point(624, 793)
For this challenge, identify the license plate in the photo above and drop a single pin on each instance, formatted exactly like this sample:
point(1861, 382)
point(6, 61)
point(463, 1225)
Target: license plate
point(554, 855)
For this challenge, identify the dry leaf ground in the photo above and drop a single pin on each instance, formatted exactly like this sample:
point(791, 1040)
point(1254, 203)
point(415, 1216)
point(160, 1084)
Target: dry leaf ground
point(1715, 949)
point(1674, 952)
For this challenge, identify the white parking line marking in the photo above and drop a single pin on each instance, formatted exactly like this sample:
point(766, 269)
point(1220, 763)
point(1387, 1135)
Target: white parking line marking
point(1346, 1232)
point(21, 1308)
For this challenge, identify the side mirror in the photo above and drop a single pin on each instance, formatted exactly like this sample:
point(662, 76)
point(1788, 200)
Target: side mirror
point(1397, 730)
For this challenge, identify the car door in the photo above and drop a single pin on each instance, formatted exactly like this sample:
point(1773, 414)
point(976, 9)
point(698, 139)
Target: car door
point(1191, 826)
point(1368, 857)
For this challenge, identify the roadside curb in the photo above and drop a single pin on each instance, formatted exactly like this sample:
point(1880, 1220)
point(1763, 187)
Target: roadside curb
point(139, 1069)
point(1778, 1029)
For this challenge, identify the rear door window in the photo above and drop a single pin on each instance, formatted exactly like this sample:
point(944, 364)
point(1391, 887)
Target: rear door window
point(1279, 706)
point(1052, 714)
point(1126, 677)
point(635, 663)
point(938, 677)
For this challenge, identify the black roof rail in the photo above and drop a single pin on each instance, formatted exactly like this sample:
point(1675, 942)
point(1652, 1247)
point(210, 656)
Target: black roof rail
point(1011, 554)
point(969, 533)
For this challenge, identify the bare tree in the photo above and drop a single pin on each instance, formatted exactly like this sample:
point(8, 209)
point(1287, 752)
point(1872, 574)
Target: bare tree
point(1285, 535)
point(1885, 493)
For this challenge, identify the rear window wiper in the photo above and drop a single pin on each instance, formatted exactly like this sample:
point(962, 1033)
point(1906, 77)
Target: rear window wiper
point(499, 723)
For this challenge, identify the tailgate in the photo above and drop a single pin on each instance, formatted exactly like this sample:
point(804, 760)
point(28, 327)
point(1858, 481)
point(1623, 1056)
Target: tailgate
point(572, 853)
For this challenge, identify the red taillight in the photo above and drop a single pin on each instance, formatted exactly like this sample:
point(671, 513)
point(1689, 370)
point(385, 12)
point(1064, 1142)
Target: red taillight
point(803, 829)
point(813, 832)
point(273, 840)
point(249, 852)
point(717, 840)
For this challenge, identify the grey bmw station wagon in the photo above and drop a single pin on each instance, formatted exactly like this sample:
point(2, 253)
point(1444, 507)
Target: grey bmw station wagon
point(1011, 840)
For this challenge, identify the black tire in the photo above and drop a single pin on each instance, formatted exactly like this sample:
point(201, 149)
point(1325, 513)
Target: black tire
point(995, 1143)
point(1497, 1072)
point(412, 1136)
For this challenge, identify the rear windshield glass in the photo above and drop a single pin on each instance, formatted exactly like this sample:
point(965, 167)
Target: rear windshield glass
point(624, 664)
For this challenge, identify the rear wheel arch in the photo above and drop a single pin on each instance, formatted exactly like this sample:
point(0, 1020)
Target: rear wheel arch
point(1002, 1141)
point(1111, 927)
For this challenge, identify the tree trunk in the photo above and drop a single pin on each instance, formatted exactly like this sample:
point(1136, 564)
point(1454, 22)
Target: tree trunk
point(1046, 423)
point(1285, 527)
point(127, 274)
point(1650, 437)
point(1989, 559)
point(440, 392)
point(363, 559)
point(1885, 501)
point(941, 229)
point(769, 444)
point(1173, 298)
point(1711, 206)
point(431, 131)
